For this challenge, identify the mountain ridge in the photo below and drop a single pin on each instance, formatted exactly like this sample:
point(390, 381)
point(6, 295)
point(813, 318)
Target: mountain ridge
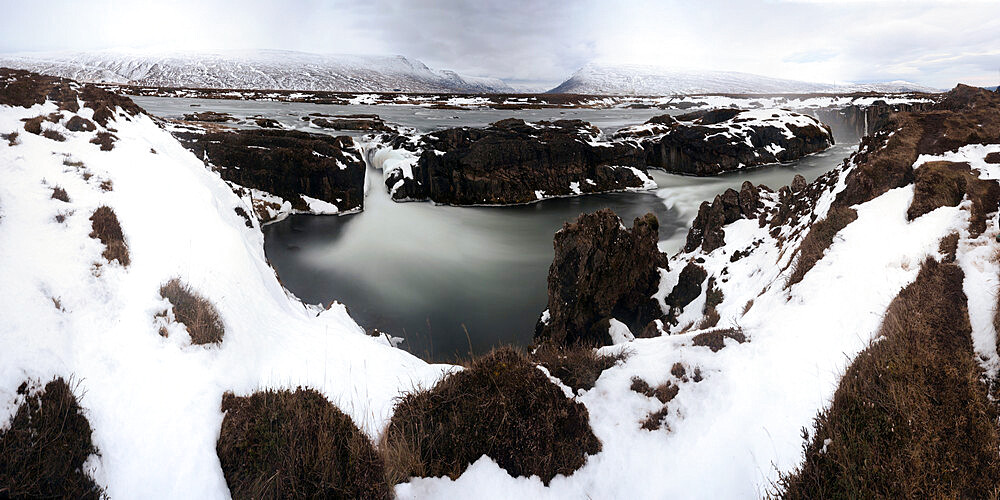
point(634, 79)
point(256, 69)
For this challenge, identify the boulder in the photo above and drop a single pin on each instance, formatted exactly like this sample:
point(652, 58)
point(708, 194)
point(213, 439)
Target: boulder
point(706, 230)
point(601, 271)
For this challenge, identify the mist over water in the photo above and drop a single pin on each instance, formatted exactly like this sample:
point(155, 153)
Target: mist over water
point(454, 279)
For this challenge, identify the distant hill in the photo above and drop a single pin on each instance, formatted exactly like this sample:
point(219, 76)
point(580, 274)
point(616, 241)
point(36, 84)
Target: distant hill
point(653, 80)
point(263, 69)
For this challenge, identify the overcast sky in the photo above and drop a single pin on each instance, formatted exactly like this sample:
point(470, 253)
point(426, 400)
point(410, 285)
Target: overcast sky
point(538, 44)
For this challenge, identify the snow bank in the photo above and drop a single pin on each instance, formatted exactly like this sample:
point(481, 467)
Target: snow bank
point(154, 403)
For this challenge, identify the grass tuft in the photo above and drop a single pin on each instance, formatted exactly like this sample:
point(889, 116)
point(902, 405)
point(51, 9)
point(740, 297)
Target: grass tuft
point(106, 228)
point(195, 312)
point(911, 418)
point(59, 193)
point(501, 406)
point(43, 450)
point(576, 366)
point(284, 444)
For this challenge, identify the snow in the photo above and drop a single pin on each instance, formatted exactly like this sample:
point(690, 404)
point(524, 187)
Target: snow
point(257, 69)
point(745, 416)
point(634, 79)
point(619, 332)
point(154, 403)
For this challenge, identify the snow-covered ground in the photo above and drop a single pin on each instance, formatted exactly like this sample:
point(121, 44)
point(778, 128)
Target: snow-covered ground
point(153, 402)
point(733, 432)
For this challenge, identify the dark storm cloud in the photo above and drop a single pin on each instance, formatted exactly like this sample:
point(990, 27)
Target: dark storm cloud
point(539, 43)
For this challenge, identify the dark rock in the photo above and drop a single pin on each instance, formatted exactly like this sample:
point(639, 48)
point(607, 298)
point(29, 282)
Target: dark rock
point(80, 124)
point(602, 270)
point(730, 206)
point(267, 123)
point(798, 183)
point(509, 161)
point(712, 142)
point(688, 286)
point(209, 116)
point(285, 163)
point(993, 158)
point(353, 122)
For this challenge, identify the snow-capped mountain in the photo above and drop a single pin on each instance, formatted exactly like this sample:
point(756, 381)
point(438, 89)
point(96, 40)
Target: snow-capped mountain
point(653, 80)
point(262, 69)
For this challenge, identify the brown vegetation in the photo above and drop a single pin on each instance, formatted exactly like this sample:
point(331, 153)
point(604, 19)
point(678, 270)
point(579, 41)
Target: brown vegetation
point(284, 444)
point(196, 313)
point(43, 450)
point(11, 138)
point(966, 115)
point(911, 417)
point(105, 227)
point(948, 247)
point(946, 184)
point(576, 366)
point(106, 140)
point(819, 238)
point(501, 406)
point(59, 193)
point(716, 339)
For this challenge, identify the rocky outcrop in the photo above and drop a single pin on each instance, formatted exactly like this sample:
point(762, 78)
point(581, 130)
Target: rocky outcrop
point(601, 271)
point(511, 162)
point(722, 140)
point(209, 117)
point(861, 120)
point(349, 122)
point(966, 115)
point(294, 166)
point(706, 230)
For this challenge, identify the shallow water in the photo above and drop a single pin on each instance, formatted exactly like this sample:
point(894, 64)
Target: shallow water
point(454, 279)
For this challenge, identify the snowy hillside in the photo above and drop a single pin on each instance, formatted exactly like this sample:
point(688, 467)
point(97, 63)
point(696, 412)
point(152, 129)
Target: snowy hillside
point(265, 69)
point(652, 80)
point(153, 399)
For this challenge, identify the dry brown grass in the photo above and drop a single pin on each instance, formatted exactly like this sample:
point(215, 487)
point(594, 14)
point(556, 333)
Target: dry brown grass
point(500, 406)
point(284, 444)
point(716, 339)
point(195, 312)
point(948, 248)
point(11, 138)
point(664, 393)
point(105, 140)
point(911, 417)
point(43, 450)
point(53, 135)
point(819, 238)
point(105, 227)
point(946, 184)
point(576, 366)
point(59, 193)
